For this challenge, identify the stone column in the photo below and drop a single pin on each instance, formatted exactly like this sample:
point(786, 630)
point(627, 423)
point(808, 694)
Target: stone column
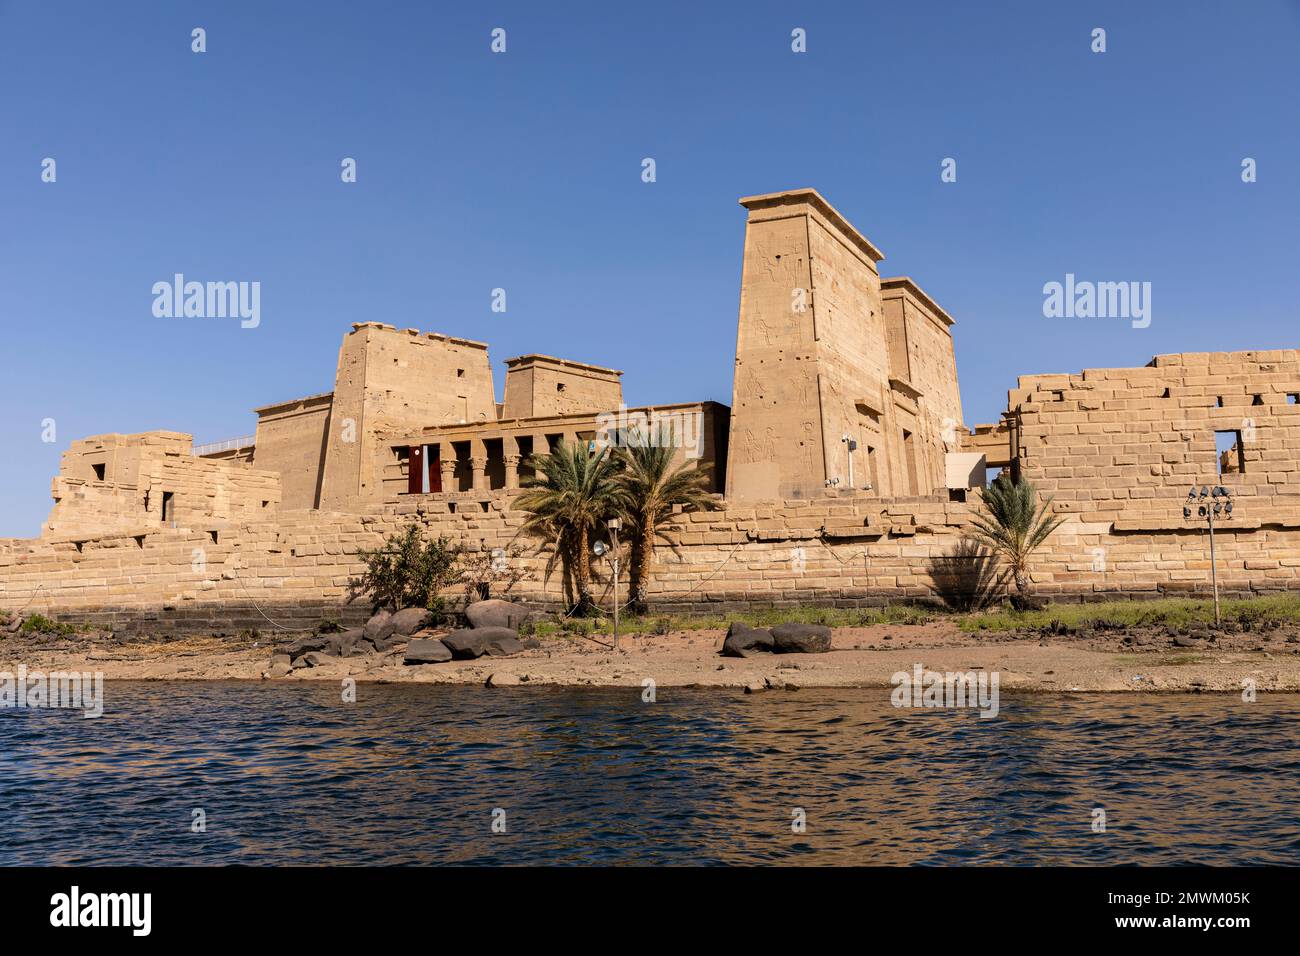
point(511, 449)
point(447, 465)
point(478, 464)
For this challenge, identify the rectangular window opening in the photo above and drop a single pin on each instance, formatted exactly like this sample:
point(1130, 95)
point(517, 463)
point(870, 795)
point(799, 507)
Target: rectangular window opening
point(1230, 453)
point(909, 459)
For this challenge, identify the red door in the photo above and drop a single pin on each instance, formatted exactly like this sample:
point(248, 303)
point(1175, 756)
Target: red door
point(415, 470)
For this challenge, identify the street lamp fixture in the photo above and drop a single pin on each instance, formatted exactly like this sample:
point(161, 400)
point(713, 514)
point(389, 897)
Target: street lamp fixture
point(599, 549)
point(1218, 506)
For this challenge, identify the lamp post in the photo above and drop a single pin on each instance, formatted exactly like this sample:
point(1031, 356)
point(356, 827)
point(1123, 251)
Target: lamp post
point(1209, 504)
point(613, 524)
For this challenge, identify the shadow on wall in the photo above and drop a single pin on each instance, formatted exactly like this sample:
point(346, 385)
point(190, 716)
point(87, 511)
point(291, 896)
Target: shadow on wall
point(968, 579)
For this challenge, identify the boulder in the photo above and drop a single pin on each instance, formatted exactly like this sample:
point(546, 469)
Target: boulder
point(409, 620)
point(498, 679)
point(801, 638)
point(379, 626)
point(426, 650)
point(745, 641)
point(280, 659)
point(314, 659)
point(469, 643)
point(348, 640)
point(314, 642)
point(278, 669)
point(496, 613)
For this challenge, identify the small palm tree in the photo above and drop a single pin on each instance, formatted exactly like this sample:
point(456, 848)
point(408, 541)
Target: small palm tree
point(572, 493)
point(649, 488)
point(1015, 527)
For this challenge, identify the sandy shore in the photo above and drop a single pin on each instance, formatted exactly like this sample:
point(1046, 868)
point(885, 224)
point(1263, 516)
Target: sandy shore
point(861, 657)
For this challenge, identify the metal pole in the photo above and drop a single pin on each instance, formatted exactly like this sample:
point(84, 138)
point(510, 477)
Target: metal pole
point(614, 532)
point(1214, 569)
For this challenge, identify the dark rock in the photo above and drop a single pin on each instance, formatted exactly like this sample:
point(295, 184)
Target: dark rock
point(348, 640)
point(379, 626)
point(426, 650)
point(409, 620)
point(503, 646)
point(801, 638)
point(314, 642)
point(745, 641)
point(496, 613)
point(314, 659)
point(1183, 641)
point(469, 643)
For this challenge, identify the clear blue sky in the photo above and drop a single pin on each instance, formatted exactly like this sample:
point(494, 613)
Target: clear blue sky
point(522, 171)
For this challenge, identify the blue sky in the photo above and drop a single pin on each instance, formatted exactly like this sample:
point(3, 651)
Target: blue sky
point(522, 171)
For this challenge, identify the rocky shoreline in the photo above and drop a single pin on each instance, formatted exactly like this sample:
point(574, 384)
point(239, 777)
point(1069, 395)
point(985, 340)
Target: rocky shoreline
point(1096, 659)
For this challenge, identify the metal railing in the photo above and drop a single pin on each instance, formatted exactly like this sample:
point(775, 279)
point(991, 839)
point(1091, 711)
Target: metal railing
point(212, 447)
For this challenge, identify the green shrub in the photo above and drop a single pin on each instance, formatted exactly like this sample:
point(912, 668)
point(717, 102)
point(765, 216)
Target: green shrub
point(410, 570)
point(40, 624)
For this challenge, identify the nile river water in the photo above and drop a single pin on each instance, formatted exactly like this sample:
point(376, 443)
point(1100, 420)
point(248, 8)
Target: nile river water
point(288, 773)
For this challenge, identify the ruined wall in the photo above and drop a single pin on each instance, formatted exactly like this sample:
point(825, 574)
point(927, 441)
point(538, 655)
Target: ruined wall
point(149, 480)
point(1123, 446)
point(291, 441)
point(390, 380)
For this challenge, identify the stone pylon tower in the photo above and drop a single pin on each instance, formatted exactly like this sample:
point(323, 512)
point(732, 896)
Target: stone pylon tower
point(810, 343)
point(391, 379)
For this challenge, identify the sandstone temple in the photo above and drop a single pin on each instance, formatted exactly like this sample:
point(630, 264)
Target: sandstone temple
point(843, 466)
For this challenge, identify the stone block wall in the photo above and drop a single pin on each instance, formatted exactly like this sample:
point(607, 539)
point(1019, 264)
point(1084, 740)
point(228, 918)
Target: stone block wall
point(843, 549)
point(1121, 447)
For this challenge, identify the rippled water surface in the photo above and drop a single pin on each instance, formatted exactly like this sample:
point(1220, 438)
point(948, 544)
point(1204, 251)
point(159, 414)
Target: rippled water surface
point(412, 774)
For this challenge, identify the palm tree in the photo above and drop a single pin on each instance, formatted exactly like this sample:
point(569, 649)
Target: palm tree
point(1015, 528)
point(649, 488)
point(572, 493)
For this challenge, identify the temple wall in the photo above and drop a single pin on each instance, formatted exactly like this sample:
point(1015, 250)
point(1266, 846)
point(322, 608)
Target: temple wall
point(291, 442)
point(1123, 446)
point(842, 549)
